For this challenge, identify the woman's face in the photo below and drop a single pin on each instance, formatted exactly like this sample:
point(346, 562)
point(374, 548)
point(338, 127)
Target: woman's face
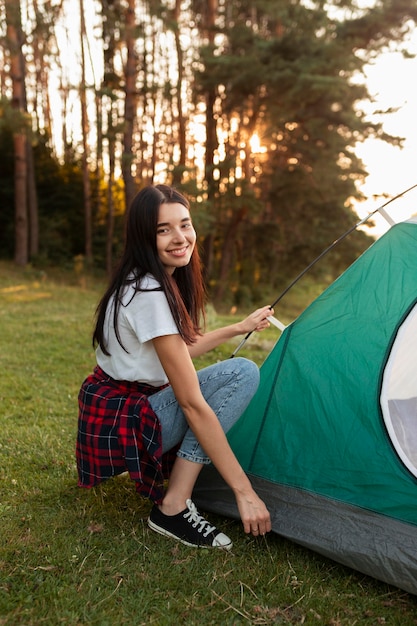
point(175, 236)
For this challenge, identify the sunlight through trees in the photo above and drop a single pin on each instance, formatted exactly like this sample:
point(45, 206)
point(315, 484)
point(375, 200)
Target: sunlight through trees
point(252, 108)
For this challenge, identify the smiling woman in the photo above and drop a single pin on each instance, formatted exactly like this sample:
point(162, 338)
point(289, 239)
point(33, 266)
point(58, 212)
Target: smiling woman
point(176, 236)
point(145, 398)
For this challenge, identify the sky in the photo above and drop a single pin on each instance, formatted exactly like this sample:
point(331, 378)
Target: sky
point(392, 81)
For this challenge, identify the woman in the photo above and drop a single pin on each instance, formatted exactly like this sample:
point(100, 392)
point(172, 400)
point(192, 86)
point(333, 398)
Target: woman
point(145, 400)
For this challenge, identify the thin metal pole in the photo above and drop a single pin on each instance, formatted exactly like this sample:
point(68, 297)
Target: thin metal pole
point(330, 247)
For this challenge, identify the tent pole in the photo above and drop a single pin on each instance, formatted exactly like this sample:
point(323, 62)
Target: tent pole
point(330, 247)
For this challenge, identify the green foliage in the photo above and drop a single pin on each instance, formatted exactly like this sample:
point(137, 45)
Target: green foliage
point(60, 199)
point(86, 557)
point(289, 71)
point(60, 202)
point(285, 70)
point(61, 212)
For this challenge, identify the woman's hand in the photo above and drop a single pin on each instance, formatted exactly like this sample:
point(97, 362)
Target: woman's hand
point(254, 514)
point(256, 320)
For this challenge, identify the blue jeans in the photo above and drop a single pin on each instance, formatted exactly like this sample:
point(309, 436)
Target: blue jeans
point(227, 386)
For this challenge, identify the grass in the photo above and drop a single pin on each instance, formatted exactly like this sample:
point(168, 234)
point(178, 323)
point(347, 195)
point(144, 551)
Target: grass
point(86, 557)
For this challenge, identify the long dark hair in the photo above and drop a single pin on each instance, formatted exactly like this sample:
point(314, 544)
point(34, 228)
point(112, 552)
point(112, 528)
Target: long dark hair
point(184, 289)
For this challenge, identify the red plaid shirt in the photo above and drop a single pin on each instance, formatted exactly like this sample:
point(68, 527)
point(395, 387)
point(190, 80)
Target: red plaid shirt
point(117, 432)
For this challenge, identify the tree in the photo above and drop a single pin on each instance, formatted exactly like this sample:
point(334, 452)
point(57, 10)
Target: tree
point(17, 74)
point(283, 72)
point(7, 244)
point(109, 90)
point(33, 112)
point(130, 75)
point(85, 152)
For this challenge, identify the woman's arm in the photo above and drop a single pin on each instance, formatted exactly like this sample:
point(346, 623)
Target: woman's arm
point(181, 373)
point(255, 321)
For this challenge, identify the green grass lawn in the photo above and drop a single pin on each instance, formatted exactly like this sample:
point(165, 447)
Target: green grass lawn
point(86, 557)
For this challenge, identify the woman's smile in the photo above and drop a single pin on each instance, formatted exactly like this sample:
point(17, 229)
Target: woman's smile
point(179, 251)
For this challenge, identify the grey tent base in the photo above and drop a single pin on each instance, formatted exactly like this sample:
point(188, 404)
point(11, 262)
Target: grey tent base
point(373, 544)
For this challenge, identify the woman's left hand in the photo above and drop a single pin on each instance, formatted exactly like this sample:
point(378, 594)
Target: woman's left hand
point(257, 320)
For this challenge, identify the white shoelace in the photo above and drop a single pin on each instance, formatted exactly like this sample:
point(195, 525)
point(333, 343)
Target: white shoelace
point(194, 518)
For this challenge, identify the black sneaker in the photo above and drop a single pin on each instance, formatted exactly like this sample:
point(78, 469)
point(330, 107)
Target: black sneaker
point(189, 527)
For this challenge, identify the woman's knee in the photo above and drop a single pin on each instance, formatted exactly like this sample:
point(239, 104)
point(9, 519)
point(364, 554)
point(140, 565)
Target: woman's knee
point(248, 373)
point(238, 374)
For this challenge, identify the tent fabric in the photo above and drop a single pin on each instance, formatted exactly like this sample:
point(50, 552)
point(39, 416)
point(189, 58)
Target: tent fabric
point(315, 426)
point(357, 538)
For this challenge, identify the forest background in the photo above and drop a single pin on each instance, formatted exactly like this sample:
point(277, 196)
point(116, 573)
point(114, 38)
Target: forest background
point(253, 108)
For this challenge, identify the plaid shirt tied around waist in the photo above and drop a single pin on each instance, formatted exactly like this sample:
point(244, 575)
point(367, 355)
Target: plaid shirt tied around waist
point(118, 431)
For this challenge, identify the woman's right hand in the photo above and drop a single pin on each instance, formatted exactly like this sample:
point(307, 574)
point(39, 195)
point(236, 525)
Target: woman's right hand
point(258, 320)
point(253, 512)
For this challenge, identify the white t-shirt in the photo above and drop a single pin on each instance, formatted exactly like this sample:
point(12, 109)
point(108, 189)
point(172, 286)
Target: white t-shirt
point(142, 316)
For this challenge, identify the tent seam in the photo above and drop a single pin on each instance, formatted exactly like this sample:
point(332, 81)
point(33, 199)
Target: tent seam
point(278, 368)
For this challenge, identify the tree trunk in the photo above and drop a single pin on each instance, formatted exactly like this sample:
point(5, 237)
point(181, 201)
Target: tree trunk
point(32, 202)
point(211, 139)
point(85, 129)
point(230, 240)
point(130, 103)
point(110, 215)
point(178, 173)
point(15, 41)
point(109, 107)
point(20, 199)
point(41, 87)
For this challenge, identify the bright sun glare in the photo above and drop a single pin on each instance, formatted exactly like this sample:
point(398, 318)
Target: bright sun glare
point(392, 170)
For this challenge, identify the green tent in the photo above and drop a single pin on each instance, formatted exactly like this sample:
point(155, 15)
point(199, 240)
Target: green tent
point(330, 438)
